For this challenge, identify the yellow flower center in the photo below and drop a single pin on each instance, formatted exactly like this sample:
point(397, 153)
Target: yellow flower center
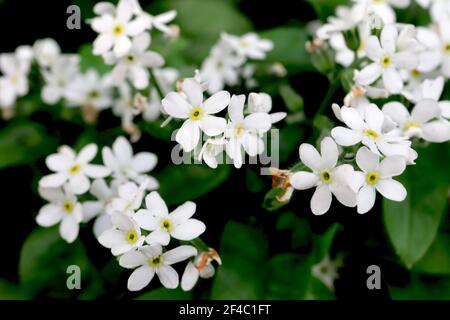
point(132, 236)
point(447, 48)
point(415, 73)
point(166, 225)
point(411, 125)
point(377, 1)
point(386, 61)
point(326, 177)
point(155, 261)
point(74, 169)
point(239, 130)
point(93, 94)
point(68, 206)
point(372, 178)
point(371, 134)
point(130, 58)
point(196, 114)
point(118, 30)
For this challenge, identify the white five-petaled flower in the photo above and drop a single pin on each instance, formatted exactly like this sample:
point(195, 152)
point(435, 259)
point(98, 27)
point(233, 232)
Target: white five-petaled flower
point(14, 81)
point(73, 169)
point(387, 60)
point(325, 176)
point(201, 267)
point(249, 45)
point(326, 271)
point(368, 129)
point(346, 18)
point(262, 102)
point(134, 64)
point(243, 133)
point(126, 166)
point(129, 198)
point(210, 150)
point(123, 237)
point(116, 28)
point(424, 120)
point(46, 52)
point(178, 224)
point(198, 113)
point(376, 176)
point(150, 260)
point(64, 209)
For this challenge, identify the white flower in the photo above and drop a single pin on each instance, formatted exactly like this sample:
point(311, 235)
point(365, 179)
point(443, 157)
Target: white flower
point(133, 66)
point(384, 8)
point(210, 150)
point(129, 198)
point(249, 45)
point(126, 166)
point(90, 90)
point(262, 102)
point(437, 48)
point(59, 77)
point(387, 60)
point(14, 82)
point(325, 176)
point(367, 128)
point(326, 271)
point(151, 260)
point(198, 113)
point(439, 9)
point(423, 121)
point(116, 29)
point(178, 224)
point(160, 21)
point(244, 133)
point(64, 209)
point(346, 18)
point(73, 168)
point(46, 52)
point(201, 267)
point(102, 207)
point(123, 237)
point(377, 176)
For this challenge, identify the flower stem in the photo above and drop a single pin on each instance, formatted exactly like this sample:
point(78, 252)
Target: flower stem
point(334, 85)
point(156, 84)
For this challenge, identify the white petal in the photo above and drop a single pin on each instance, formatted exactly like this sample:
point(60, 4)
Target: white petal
point(392, 166)
point(122, 46)
point(158, 237)
point(132, 259)
point(391, 189)
point(190, 277)
point(303, 180)
point(373, 48)
point(251, 144)
point(388, 38)
point(122, 221)
point(145, 220)
point(368, 74)
point(425, 110)
point(212, 125)
point(329, 151)
point(346, 137)
point(92, 209)
point(367, 160)
point(236, 108)
point(437, 131)
point(366, 199)
point(193, 91)
point(176, 105)
point(188, 135)
point(122, 150)
point(179, 254)
point(140, 278)
point(103, 43)
point(109, 159)
point(58, 162)
point(374, 117)
point(144, 162)
point(96, 171)
point(156, 205)
point(396, 111)
point(217, 102)
point(79, 184)
point(392, 80)
point(352, 118)
point(168, 277)
point(310, 157)
point(183, 212)
point(321, 200)
point(111, 238)
point(53, 180)
point(260, 121)
point(49, 215)
point(87, 153)
point(101, 224)
point(189, 230)
point(69, 229)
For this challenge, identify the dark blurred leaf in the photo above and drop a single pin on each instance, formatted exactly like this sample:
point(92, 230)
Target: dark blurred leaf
point(412, 224)
point(301, 231)
point(271, 202)
point(289, 48)
point(253, 181)
point(326, 8)
point(86, 8)
point(292, 99)
point(166, 294)
point(421, 289)
point(154, 129)
point(179, 183)
point(289, 140)
point(89, 61)
point(11, 291)
point(243, 250)
point(23, 142)
point(44, 259)
point(437, 258)
point(323, 242)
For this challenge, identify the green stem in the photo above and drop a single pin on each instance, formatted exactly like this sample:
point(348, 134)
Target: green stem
point(334, 85)
point(156, 84)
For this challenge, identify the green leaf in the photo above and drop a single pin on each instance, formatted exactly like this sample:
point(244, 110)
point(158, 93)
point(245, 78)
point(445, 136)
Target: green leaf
point(421, 288)
point(289, 48)
point(301, 231)
point(326, 8)
point(271, 202)
point(166, 294)
point(180, 183)
point(44, 259)
point(412, 225)
point(289, 275)
point(290, 136)
point(89, 61)
point(11, 291)
point(23, 142)
point(253, 181)
point(437, 259)
point(243, 250)
point(292, 99)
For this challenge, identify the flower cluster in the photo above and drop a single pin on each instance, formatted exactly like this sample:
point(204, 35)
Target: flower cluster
point(239, 134)
point(388, 61)
point(227, 61)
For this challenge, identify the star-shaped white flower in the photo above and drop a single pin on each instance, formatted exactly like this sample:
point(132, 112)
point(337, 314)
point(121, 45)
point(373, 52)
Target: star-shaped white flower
point(129, 198)
point(64, 209)
point(377, 176)
point(249, 45)
point(73, 169)
point(178, 224)
point(326, 176)
point(150, 260)
point(198, 113)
